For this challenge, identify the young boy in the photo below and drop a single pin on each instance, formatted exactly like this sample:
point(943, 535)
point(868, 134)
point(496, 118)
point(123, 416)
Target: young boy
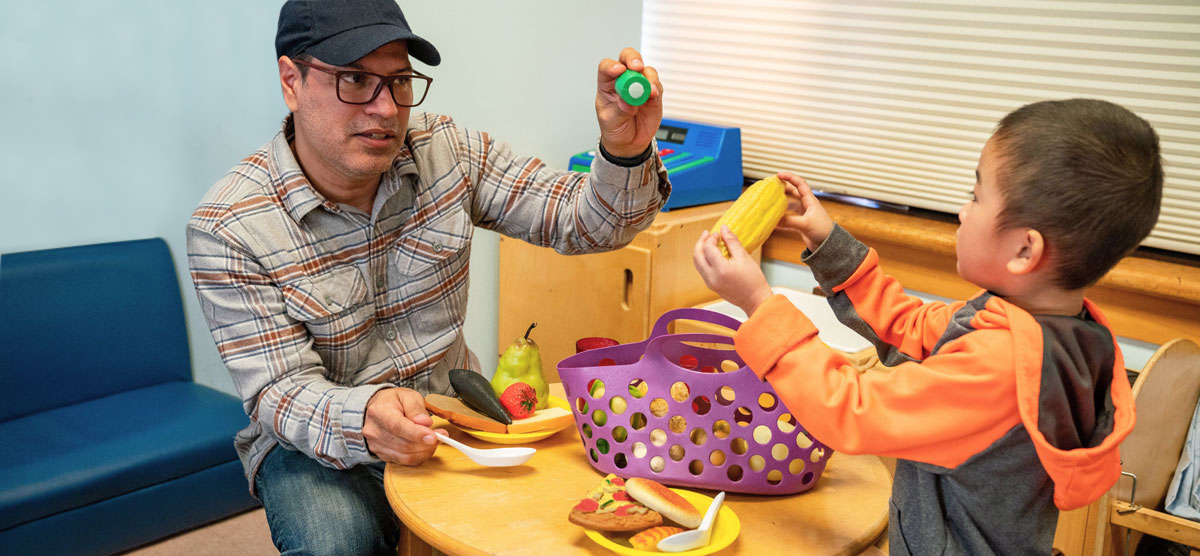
point(998, 408)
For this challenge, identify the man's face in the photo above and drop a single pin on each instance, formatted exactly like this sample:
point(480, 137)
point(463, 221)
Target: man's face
point(341, 144)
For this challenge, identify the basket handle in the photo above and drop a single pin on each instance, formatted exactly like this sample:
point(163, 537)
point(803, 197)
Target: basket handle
point(692, 313)
point(653, 350)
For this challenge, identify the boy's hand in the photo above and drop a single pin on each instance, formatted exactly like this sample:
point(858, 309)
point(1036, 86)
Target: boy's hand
point(738, 279)
point(805, 213)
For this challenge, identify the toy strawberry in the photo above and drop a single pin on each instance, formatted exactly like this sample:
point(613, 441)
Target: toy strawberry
point(520, 400)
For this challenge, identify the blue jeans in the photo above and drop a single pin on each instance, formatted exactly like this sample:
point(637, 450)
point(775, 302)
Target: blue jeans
point(313, 509)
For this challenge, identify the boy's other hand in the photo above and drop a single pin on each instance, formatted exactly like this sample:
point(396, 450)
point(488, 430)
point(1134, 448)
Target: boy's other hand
point(805, 214)
point(738, 279)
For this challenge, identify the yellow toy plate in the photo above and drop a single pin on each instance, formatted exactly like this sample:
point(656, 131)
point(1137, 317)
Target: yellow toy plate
point(521, 437)
point(726, 528)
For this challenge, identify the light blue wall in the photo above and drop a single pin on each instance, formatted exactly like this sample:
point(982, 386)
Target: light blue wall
point(116, 117)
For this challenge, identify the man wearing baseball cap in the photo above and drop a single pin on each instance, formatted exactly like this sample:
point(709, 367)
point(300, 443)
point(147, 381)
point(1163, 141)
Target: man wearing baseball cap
point(331, 264)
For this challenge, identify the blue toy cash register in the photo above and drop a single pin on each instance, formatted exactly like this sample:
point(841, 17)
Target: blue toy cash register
point(703, 161)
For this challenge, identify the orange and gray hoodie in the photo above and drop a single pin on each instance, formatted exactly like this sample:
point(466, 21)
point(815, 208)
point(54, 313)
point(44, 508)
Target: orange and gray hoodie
point(995, 415)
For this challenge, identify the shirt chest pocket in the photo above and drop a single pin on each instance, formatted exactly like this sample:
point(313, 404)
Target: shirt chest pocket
point(322, 299)
point(434, 245)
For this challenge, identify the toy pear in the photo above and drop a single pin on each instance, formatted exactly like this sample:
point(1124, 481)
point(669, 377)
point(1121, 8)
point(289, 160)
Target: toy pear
point(522, 362)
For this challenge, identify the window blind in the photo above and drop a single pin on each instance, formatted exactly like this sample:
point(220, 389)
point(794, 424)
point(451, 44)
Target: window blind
point(893, 100)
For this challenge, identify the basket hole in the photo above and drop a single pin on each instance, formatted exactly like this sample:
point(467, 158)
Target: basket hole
point(701, 405)
point(696, 467)
point(816, 455)
point(596, 388)
point(725, 395)
point(595, 457)
point(581, 406)
point(657, 464)
point(803, 441)
point(680, 392)
point(774, 477)
point(689, 362)
point(721, 429)
point(599, 417)
point(638, 388)
point(602, 445)
point(708, 369)
point(717, 458)
point(587, 430)
point(779, 452)
point(676, 452)
point(677, 424)
point(699, 436)
point(620, 460)
point(618, 405)
point(658, 437)
point(637, 421)
point(734, 473)
point(729, 365)
point(767, 401)
point(743, 416)
point(787, 423)
point(639, 450)
point(606, 362)
point(796, 466)
point(808, 477)
point(762, 434)
point(739, 446)
point(620, 434)
point(757, 463)
point(658, 407)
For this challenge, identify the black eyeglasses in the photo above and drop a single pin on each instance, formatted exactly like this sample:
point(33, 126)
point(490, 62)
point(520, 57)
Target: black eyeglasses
point(361, 87)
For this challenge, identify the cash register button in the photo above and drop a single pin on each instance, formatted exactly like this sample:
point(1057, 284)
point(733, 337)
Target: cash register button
point(665, 152)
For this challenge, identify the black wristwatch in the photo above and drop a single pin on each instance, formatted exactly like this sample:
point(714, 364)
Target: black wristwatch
point(627, 161)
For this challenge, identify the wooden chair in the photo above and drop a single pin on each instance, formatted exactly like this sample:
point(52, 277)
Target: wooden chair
point(1165, 394)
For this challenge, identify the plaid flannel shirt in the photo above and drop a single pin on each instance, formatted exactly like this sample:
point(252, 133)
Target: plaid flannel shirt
point(315, 306)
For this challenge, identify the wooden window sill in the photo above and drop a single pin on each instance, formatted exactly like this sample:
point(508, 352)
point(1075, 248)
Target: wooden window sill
point(1146, 297)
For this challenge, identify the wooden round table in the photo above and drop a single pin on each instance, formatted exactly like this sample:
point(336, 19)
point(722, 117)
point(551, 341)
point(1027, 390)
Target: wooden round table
point(462, 508)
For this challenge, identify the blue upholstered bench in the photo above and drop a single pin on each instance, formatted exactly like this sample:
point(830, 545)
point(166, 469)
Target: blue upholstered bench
point(105, 441)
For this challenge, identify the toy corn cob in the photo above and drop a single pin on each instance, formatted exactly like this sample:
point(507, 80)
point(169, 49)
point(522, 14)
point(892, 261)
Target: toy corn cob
point(754, 214)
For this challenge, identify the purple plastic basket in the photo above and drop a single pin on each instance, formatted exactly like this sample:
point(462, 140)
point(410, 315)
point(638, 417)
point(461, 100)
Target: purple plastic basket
point(641, 413)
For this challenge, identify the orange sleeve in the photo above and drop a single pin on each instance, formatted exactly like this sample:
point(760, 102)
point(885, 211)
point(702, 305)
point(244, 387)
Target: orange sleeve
point(907, 322)
point(940, 411)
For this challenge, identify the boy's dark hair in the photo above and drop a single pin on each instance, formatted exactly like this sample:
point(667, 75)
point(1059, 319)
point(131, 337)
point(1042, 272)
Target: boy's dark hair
point(1085, 173)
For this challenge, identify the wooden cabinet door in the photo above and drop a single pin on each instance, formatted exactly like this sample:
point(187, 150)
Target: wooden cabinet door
point(571, 297)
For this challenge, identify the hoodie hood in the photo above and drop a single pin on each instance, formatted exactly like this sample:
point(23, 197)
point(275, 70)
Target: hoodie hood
point(1073, 397)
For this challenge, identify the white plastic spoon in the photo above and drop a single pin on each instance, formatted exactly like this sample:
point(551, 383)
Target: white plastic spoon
point(499, 457)
point(698, 537)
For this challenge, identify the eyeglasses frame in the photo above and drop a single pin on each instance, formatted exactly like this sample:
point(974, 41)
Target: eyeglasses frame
point(384, 81)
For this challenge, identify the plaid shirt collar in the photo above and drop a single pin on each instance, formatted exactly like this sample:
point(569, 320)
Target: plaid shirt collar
point(298, 195)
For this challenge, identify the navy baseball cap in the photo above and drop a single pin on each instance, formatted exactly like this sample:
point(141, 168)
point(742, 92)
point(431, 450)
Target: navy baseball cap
point(338, 32)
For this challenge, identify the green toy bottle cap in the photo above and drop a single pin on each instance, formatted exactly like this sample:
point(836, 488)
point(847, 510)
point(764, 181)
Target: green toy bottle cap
point(633, 88)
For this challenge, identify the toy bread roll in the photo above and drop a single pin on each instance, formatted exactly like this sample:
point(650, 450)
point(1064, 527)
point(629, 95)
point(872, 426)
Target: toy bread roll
point(648, 539)
point(664, 501)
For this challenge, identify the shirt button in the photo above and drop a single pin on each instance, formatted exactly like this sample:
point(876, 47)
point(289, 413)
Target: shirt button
point(437, 247)
point(328, 299)
point(391, 334)
point(379, 282)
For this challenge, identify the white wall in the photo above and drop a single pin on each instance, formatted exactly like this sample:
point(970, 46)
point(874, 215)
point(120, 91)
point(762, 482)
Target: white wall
point(116, 117)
